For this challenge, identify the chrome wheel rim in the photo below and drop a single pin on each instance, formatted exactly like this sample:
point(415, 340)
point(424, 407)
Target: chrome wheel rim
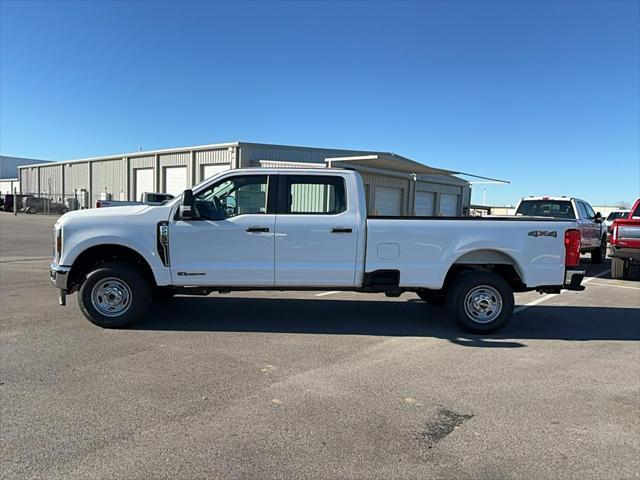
point(483, 304)
point(111, 297)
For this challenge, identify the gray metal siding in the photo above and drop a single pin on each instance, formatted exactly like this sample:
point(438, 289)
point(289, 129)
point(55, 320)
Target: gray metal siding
point(438, 188)
point(250, 155)
point(28, 180)
point(175, 159)
point(142, 162)
point(51, 181)
point(76, 176)
point(109, 176)
point(9, 165)
point(217, 156)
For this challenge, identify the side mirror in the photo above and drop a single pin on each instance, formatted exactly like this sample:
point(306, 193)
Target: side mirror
point(187, 205)
point(598, 217)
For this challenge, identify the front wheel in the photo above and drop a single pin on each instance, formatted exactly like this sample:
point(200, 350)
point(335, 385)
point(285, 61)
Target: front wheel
point(482, 302)
point(114, 295)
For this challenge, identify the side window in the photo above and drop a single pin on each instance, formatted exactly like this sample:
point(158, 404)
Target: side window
point(313, 195)
point(636, 212)
point(582, 211)
point(233, 196)
point(590, 213)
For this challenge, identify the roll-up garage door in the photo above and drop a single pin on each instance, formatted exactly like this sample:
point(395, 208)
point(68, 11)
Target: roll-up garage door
point(448, 205)
point(388, 201)
point(424, 204)
point(175, 180)
point(211, 170)
point(144, 182)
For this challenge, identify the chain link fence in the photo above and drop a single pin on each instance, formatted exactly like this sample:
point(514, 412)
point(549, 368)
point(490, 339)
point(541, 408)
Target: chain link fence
point(46, 203)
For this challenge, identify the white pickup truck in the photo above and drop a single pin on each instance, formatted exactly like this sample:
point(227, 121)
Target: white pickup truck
point(304, 229)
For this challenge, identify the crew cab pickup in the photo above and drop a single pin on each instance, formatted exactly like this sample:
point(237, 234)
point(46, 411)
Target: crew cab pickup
point(304, 229)
point(593, 233)
point(625, 243)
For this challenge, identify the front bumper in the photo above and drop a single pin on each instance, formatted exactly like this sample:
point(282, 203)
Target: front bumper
point(573, 279)
point(59, 276)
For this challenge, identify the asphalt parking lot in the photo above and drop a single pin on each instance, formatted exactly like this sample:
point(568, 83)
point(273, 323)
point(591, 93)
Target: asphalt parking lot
point(311, 385)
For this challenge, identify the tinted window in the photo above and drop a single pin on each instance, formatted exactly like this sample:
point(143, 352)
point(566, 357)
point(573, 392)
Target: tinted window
point(315, 195)
point(581, 209)
point(613, 215)
point(546, 208)
point(246, 194)
point(636, 212)
point(589, 210)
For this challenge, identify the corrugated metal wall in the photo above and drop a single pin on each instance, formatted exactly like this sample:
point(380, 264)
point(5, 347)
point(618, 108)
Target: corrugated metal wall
point(250, 155)
point(51, 181)
point(28, 180)
point(207, 157)
point(76, 176)
point(109, 176)
point(9, 165)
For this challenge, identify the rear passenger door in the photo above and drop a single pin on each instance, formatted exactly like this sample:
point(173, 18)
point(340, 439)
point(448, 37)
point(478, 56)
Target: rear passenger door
point(316, 235)
point(588, 227)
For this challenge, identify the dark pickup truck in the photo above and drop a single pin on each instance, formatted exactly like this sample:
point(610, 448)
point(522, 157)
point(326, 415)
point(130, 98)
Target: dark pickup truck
point(625, 243)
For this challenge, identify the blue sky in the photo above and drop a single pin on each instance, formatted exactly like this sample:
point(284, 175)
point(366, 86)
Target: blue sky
point(545, 94)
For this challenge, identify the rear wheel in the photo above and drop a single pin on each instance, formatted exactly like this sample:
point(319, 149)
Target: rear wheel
point(32, 210)
point(482, 302)
point(619, 268)
point(114, 295)
point(431, 297)
point(598, 255)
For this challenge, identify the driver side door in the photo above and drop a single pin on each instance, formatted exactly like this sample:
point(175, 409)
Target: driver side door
point(230, 242)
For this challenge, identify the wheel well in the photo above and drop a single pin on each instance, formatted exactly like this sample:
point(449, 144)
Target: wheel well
point(507, 271)
point(100, 254)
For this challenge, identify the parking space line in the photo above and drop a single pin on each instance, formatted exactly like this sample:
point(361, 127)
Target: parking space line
point(547, 296)
point(324, 294)
point(614, 285)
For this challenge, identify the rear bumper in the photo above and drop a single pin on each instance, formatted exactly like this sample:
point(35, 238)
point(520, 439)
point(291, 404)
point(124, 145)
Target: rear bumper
point(622, 252)
point(573, 279)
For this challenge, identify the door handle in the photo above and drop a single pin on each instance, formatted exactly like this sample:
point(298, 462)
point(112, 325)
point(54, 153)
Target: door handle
point(341, 230)
point(257, 229)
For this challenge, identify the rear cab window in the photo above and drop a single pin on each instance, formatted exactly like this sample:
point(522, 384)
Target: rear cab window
point(312, 195)
point(546, 208)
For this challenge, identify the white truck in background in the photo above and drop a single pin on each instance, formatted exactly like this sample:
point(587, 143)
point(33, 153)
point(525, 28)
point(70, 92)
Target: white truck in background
point(305, 229)
point(147, 198)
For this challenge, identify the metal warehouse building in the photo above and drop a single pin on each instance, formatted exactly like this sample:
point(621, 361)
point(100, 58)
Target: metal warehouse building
point(394, 185)
point(9, 171)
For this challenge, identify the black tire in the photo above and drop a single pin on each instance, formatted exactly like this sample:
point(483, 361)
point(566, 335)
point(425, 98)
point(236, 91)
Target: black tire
point(484, 284)
point(599, 254)
point(619, 269)
point(163, 293)
point(431, 297)
point(32, 210)
point(139, 295)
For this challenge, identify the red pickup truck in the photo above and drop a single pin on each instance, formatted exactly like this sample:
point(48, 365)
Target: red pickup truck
point(625, 243)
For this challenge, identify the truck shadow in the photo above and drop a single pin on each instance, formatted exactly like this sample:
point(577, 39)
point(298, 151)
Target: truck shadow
point(385, 318)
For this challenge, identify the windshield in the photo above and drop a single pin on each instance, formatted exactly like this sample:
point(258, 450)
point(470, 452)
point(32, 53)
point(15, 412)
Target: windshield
point(546, 208)
point(614, 215)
